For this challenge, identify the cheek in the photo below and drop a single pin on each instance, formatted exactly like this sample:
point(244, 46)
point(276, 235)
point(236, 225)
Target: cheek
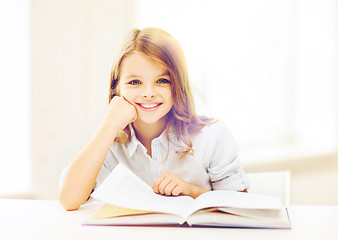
point(169, 99)
point(123, 91)
point(129, 94)
point(169, 96)
point(118, 90)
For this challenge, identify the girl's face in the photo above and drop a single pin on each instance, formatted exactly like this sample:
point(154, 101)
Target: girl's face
point(147, 86)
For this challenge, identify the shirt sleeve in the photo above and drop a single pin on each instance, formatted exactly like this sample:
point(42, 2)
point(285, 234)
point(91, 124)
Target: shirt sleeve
point(225, 170)
point(107, 167)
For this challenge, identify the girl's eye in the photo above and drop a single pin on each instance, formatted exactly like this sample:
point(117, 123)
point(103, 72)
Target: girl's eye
point(163, 80)
point(135, 82)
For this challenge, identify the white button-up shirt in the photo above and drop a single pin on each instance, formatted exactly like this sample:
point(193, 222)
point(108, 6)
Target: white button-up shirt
point(214, 164)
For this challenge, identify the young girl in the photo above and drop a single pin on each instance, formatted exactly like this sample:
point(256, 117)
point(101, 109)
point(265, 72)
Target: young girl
point(152, 128)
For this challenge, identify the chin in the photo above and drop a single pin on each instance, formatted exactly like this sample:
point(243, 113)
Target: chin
point(151, 119)
point(148, 121)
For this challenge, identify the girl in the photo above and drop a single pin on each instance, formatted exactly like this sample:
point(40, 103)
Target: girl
point(152, 128)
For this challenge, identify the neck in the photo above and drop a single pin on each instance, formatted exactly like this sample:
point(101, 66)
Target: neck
point(146, 132)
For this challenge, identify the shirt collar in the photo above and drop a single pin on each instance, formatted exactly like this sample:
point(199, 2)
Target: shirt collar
point(134, 142)
point(162, 139)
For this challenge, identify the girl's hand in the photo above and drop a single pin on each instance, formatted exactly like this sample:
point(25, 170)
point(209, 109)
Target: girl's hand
point(171, 185)
point(120, 113)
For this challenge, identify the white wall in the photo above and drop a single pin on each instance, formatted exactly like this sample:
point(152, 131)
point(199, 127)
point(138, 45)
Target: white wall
point(313, 179)
point(72, 44)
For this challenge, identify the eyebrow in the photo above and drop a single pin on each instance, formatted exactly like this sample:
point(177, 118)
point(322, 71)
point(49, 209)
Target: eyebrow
point(137, 76)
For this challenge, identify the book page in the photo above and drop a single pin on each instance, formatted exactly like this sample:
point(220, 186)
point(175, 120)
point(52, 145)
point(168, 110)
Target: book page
point(123, 188)
point(233, 199)
point(236, 217)
point(251, 213)
point(109, 211)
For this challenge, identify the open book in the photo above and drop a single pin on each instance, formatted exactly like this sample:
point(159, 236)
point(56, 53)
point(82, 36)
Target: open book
point(131, 202)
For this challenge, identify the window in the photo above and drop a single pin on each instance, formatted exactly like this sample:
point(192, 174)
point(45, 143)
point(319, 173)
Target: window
point(14, 98)
point(266, 68)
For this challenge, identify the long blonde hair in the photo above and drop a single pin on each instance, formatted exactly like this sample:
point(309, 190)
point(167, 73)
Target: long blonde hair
point(163, 48)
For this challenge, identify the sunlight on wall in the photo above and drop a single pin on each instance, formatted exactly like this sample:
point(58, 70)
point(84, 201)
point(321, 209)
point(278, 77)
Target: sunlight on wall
point(266, 68)
point(15, 154)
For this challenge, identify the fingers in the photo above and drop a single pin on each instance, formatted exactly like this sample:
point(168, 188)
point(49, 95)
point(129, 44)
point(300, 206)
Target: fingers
point(157, 182)
point(135, 112)
point(121, 111)
point(168, 184)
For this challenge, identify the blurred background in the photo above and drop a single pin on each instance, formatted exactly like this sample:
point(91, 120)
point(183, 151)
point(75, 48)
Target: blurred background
point(266, 68)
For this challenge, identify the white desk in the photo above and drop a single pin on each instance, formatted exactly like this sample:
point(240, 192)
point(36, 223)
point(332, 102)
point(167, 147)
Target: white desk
point(38, 219)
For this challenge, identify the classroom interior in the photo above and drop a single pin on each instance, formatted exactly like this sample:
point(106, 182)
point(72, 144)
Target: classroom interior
point(267, 69)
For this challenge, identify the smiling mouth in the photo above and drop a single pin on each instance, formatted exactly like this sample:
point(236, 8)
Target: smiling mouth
point(149, 106)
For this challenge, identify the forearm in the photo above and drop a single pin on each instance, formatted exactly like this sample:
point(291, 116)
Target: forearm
point(82, 173)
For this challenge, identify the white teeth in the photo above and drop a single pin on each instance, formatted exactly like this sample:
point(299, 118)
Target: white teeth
point(148, 105)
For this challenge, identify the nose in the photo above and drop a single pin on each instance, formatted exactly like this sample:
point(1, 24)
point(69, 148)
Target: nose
point(149, 92)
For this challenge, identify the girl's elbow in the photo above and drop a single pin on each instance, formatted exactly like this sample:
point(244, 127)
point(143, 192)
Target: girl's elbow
point(68, 206)
point(67, 203)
